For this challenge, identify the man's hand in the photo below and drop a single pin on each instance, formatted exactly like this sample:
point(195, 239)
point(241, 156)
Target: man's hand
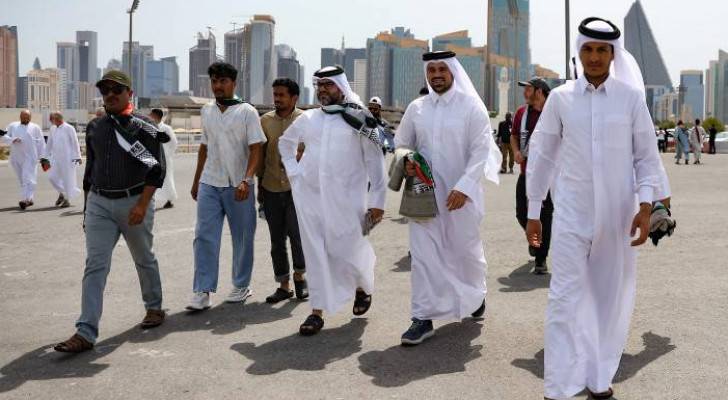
point(242, 191)
point(533, 232)
point(409, 168)
point(376, 215)
point(641, 221)
point(518, 156)
point(137, 213)
point(193, 191)
point(456, 200)
point(16, 140)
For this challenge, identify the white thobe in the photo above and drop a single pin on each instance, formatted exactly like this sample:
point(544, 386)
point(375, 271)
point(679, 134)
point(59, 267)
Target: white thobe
point(168, 192)
point(329, 187)
point(597, 147)
point(697, 135)
point(24, 155)
point(61, 150)
point(452, 132)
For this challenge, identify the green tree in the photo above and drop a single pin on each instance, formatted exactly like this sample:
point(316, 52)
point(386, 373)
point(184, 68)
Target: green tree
point(666, 124)
point(713, 122)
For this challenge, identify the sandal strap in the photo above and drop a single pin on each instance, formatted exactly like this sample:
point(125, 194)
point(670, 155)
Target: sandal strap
point(313, 320)
point(75, 344)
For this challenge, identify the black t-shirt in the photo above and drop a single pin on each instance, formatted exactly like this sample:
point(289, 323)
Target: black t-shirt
point(504, 131)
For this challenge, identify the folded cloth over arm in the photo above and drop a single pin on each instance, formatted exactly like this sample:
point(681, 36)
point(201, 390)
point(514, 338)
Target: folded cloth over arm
point(661, 222)
point(418, 196)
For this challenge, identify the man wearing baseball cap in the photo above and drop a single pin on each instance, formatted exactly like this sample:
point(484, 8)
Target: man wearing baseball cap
point(535, 92)
point(124, 167)
point(375, 107)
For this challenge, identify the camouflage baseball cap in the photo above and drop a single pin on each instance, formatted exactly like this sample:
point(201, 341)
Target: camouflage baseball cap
point(116, 76)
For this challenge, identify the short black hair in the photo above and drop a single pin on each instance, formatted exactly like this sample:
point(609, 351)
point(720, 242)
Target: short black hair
point(158, 112)
point(697, 121)
point(222, 70)
point(680, 122)
point(289, 84)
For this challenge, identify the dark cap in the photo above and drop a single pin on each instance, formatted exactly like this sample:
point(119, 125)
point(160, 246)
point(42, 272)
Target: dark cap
point(438, 55)
point(536, 82)
point(116, 76)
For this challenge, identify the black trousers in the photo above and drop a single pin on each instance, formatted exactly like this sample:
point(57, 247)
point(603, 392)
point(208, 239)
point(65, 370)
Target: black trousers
point(711, 145)
point(280, 213)
point(547, 214)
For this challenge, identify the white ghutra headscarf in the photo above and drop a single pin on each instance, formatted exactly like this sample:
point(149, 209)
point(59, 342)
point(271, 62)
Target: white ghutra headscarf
point(624, 68)
point(463, 84)
point(338, 76)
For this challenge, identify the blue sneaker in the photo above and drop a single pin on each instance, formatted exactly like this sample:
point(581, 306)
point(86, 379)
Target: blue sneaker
point(420, 330)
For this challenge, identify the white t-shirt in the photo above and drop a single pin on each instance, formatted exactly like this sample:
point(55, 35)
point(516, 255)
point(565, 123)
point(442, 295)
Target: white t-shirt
point(227, 136)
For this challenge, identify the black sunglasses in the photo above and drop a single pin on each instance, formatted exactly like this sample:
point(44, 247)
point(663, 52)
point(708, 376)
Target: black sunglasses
point(116, 89)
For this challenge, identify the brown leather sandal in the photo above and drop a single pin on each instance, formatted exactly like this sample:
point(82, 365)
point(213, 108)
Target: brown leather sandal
point(153, 319)
point(76, 344)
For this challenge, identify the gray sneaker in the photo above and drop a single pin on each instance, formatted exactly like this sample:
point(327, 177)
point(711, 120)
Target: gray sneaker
point(238, 295)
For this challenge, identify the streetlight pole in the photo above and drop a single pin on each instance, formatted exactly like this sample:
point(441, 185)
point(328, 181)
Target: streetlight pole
point(568, 41)
point(130, 11)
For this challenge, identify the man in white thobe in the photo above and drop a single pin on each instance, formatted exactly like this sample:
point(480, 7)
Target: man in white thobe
point(329, 185)
point(27, 146)
point(168, 193)
point(697, 137)
point(594, 146)
point(450, 128)
point(64, 154)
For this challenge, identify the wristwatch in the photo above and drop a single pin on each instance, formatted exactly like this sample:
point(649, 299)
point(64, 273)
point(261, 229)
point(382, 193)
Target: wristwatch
point(249, 180)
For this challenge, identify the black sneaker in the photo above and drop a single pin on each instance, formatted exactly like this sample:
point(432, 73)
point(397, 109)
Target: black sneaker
point(60, 199)
point(418, 332)
point(168, 205)
point(301, 289)
point(541, 268)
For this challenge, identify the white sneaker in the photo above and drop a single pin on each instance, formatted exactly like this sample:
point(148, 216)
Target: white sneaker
point(200, 301)
point(238, 295)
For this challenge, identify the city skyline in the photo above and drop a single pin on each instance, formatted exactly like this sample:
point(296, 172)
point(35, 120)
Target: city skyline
point(175, 37)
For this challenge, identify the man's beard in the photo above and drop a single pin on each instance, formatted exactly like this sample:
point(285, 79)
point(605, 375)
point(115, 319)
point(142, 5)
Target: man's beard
point(327, 100)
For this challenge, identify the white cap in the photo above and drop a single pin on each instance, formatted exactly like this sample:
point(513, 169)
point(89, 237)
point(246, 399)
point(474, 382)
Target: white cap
point(375, 100)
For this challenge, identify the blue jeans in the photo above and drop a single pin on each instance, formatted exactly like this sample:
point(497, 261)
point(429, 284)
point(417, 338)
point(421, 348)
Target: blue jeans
point(213, 204)
point(105, 220)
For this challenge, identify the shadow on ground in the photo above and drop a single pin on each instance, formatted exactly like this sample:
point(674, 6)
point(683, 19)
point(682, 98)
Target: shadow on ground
point(44, 363)
point(445, 353)
point(304, 353)
point(403, 265)
point(522, 280)
point(656, 346)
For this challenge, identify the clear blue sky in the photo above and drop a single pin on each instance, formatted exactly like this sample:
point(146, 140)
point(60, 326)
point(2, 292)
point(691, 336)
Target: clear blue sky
point(689, 33)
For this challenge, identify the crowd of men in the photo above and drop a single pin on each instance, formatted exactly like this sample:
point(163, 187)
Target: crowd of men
point(321, 180)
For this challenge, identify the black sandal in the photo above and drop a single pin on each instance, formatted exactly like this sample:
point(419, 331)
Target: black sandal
point(480, 311)
point(301, 289)
point(311, 326)
point(601, 396)
point(362, 302)
point(279, 295)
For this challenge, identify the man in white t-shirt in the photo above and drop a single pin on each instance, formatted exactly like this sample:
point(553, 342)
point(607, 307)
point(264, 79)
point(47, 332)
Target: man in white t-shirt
point(229, 154)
